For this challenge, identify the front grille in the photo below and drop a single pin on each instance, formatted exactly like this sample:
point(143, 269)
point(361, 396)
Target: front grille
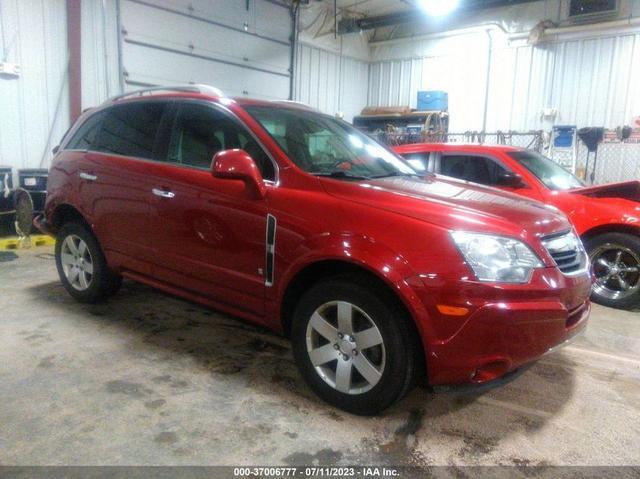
point(567, 252)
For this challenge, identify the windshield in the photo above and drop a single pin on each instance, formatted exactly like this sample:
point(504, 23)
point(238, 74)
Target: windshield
point(324, 146)
point(551, 174)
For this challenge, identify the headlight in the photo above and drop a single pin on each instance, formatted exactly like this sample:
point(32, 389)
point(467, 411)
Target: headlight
point(497, 258)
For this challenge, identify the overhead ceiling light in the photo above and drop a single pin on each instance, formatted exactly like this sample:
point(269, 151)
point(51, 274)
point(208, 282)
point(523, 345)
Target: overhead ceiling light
point(438, 8)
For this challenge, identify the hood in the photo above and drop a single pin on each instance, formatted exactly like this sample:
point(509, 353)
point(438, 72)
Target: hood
point(628, 190)
point(453, 204)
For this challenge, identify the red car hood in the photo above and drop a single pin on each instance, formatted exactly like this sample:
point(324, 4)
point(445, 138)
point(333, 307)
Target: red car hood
point(454, 204)
point(628, 190)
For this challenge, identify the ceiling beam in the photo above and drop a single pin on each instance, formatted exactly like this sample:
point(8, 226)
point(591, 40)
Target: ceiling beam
point(352, 25)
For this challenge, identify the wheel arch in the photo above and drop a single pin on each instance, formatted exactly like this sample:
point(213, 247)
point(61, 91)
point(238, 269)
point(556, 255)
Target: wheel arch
point(64, 213)
point(324, 269)
point(609, 228)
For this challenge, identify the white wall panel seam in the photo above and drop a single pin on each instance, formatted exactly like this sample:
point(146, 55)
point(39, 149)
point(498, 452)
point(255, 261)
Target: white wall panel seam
point(207, 20)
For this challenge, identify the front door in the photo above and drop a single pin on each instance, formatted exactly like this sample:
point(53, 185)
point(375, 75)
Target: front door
point(482, 170)
point(209, 233)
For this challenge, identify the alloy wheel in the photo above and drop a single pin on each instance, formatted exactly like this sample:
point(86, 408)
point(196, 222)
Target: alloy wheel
point(617, 271)
point(345, 347)
point(77, 262)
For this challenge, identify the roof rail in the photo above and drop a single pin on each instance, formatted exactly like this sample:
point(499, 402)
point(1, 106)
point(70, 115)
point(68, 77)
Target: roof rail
point(191, 88)
point(296, 103)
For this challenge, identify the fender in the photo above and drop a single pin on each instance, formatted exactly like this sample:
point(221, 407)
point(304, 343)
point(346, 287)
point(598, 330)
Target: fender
point(616, 212)
point(364, 252)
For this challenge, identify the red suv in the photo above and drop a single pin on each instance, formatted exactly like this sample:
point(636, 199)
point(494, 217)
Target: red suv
point(294, 220)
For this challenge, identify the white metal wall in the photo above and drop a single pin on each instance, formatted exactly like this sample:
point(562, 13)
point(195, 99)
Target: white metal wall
point(34, 106)
point(241, 47)
point(100, 66)
point(330, 82)
point(590, 81)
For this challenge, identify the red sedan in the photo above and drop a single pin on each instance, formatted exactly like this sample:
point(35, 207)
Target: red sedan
point(607, 217)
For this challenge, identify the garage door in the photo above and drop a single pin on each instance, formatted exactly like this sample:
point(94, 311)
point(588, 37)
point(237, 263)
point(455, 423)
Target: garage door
point(240, 46)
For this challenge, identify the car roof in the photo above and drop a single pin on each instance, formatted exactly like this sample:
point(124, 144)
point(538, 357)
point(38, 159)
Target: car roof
point(204, 92)
point(469, 147)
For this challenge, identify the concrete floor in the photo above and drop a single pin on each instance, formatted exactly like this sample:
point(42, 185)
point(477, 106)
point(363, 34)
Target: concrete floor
point(149, 379)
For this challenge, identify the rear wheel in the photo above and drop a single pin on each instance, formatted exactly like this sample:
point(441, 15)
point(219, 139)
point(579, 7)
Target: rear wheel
point(615, 258)
point(82, 266)
point(353, 347)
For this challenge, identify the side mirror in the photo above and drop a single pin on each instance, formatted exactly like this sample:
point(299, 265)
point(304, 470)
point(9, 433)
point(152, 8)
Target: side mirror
point(238, 165)
point(510, 179)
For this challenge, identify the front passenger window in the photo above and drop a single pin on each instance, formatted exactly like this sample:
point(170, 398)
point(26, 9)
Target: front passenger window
point(200, 131)
point(477, 169)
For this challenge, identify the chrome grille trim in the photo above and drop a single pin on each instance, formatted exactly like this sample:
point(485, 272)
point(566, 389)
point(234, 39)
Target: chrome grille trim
point(567, 252)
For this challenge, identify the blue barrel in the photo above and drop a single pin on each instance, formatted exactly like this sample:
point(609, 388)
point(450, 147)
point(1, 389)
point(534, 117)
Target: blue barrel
point(34, 180)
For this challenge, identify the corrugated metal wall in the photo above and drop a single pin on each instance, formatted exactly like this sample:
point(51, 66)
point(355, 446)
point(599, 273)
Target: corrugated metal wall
point(35, 106)
point(330, 82)
point(590, 81)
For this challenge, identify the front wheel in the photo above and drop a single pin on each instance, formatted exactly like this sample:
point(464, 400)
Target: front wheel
point(353, 347)
point(616, 266)
point(81, 265)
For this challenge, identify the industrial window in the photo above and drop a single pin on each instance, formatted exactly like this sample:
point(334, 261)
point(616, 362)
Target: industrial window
point(199, 132)
point(477, 169)
point(85, 137)
point(131, 130)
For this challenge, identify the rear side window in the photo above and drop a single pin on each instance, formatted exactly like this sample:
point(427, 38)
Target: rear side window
point(85, 137)
point(477, 169)
point(131, 130)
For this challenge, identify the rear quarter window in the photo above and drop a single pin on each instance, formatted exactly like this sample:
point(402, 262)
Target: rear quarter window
point(85, 137)
point(131, 130)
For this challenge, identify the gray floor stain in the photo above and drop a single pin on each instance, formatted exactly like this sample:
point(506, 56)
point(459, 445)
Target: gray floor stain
point(127, 388)
point(323, 457)
point(46, 362)
point(166, 437)
point(155, 404)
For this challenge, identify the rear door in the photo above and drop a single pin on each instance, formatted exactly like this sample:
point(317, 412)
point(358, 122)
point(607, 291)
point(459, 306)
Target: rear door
point(114, 182)
point(210, 233)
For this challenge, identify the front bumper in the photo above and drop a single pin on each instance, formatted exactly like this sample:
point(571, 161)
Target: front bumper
point(501, 338)
point(508, 326)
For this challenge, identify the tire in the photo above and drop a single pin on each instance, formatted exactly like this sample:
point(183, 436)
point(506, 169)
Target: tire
point(81, 265)
point(394, 360)
point(615, 259)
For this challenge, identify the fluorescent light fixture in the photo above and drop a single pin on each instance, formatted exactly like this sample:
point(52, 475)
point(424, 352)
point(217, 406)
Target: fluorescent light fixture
point(438, 8)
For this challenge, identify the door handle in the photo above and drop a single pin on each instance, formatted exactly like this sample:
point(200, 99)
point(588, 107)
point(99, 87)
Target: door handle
point(88, 176)
point(163, 193)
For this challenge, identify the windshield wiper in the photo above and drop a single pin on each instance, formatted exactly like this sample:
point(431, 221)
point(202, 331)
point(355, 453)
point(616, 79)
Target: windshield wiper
point(397, 173)
point(339, 174)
